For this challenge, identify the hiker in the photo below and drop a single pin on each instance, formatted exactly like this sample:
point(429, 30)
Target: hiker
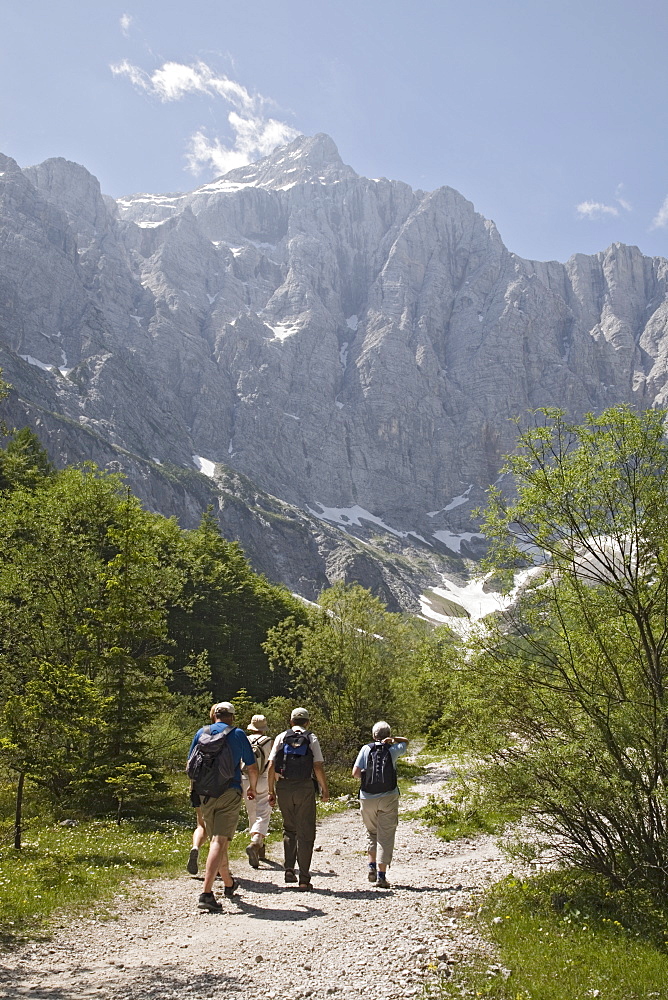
point(379, 797)
point(214, 765)
point(259, 808)
point(199, 833)
point(295, 755)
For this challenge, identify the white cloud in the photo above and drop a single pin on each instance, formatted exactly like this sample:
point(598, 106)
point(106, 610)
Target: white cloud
point(126, 21)
point(661, 218)
point(621, 200)
point(595, 210)
point(255, 134)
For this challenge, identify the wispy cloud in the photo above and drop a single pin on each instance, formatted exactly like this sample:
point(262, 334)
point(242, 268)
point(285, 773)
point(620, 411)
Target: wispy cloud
point(661, 218)
point(619, 198)
point(595, 210)
point(125, 22)
point(254, 132)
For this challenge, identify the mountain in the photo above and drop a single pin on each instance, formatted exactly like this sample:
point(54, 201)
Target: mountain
point(334, 362)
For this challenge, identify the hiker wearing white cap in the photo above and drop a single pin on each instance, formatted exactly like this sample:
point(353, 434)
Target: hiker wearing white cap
point(259, 808)
point(214, 767)
point(294, 757)
point(379, 797)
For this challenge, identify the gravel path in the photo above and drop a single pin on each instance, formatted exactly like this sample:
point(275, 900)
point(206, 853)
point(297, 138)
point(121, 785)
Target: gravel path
point(347, 938)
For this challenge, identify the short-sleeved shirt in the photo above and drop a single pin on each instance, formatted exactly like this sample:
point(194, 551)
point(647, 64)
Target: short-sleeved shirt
point(239, 745)
point(396, 750)
point(312, 738)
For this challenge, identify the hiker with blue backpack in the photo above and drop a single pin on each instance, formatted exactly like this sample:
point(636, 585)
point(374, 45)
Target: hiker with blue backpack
point(379, 797)
point(214, 768)
point(294, 759)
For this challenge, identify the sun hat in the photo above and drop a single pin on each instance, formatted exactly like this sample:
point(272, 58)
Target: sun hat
point(258, 724)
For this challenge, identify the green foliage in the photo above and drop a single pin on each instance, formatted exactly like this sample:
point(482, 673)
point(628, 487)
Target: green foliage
point(115, 626)
point(465, 814)
point(562, 937)
point(131, 781)
point(23, 461)
point(353, 662)
point(570, 686)
point(224, 610)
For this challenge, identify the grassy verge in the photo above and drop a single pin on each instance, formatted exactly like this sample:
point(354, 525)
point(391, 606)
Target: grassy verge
point(564, 937)
point(60, 871)
point(451, 820)
point(69, 867)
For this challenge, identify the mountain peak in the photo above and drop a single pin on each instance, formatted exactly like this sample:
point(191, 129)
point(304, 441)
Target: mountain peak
point(306, 159)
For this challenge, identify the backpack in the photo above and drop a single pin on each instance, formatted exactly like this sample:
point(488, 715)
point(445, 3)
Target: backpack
point(211, 764)
point(258, 744)
point(380, 774)
point(294, 760)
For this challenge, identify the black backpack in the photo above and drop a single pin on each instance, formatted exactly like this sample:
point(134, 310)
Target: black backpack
point(380, 774)
point(211, 765)
point(294, 760)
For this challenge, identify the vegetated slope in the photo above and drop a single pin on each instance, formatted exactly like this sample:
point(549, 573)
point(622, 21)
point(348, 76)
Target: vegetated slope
point(352, 347)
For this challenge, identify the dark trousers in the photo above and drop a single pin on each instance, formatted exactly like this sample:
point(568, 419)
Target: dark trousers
point(296, 800)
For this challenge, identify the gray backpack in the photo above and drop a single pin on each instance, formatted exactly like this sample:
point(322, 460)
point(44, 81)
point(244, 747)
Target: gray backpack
point(211, 765)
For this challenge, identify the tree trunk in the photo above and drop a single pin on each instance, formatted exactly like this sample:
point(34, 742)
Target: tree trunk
point(19, 811)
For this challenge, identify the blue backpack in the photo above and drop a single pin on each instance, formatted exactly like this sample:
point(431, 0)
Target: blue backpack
point(294, 760)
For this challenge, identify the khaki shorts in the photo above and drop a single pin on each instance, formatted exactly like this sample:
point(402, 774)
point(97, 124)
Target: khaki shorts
point(221, 815)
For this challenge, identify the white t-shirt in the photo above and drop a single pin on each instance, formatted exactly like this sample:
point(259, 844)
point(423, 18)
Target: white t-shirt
point(312, 738)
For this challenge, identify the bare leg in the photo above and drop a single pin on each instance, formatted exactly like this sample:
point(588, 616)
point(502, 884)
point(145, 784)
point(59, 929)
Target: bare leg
point(217, 861)
point(199, 833)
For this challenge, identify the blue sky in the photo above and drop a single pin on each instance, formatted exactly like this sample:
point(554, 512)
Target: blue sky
point(551, 117)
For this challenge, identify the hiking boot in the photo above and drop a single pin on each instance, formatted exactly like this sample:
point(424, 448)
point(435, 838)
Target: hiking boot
point(290, 875)
point(261, 852)
point(373, 874)
point(382, 882)
point(253, 855)
point(192, 867)
point(230, 890)
point(207, 901)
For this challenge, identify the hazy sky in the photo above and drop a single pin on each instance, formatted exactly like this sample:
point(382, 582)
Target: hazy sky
point(551, 117)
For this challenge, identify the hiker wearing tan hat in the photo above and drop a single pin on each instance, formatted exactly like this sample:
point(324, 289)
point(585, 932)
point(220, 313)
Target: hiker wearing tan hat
point(259, 808)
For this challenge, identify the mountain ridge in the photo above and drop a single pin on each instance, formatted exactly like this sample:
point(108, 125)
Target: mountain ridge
point(344, 343)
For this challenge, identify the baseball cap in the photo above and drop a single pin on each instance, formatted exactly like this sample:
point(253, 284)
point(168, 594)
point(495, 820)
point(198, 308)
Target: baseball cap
point(299, 715)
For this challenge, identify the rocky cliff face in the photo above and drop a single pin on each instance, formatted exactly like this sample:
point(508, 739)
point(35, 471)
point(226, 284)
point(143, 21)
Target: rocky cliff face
point(351, 346)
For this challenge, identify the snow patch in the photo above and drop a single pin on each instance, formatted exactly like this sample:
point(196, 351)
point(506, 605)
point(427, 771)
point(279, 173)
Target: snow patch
point(455, 502)
point(352, 322)
point(343, 354)
point(205, 465)
point(36, 362)
point(293, 415)
point(283, 330)
point(345, 517)
point(211, 298)
point(454, 541)
point(472, 598)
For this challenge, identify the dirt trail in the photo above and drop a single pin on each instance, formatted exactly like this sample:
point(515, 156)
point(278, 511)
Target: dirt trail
point(346, 938)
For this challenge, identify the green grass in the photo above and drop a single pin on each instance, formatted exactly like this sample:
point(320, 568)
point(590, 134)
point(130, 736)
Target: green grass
point(563, 937)
point(452, 820)
point(66, 867)
point(61, 870)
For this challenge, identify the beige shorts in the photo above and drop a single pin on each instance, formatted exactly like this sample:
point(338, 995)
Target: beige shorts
point(221, 815)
